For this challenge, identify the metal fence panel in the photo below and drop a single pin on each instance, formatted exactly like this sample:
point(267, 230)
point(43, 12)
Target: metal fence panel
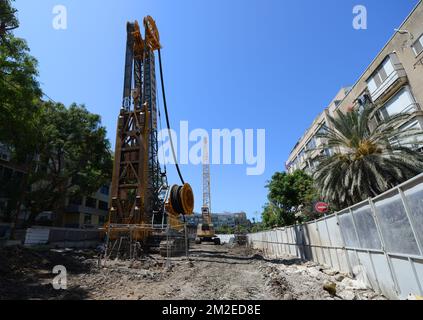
point(385, 281)
point(314, 237)
point(370, 276)
point(414, 198)
point(379, 241)
point(335, 234)
point(342, 259)
point(353, 258)
point(418, 266)
point(395, 226)
point(405, 276)
point(324, 241)
point(274, 243)
point(366, 228)
point(306, 234)
point(348, 230)
point(292, 246)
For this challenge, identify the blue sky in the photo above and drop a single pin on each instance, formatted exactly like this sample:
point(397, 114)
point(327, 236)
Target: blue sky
point(245, 64)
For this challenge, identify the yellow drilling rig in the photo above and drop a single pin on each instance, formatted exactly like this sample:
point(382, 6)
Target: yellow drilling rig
point(205, 230)
point(144, 211)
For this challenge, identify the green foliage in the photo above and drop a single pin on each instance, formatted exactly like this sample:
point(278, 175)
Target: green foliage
point(73, 156)
point(287, 194)
point(63, 150)
point(224, 230)
point(258, 227)
point(289, 190)
point(368, 159)
point(8, 20)
point(272, 216)
point(19, 96)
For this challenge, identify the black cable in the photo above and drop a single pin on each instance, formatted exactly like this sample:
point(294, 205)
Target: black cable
point(167, 120)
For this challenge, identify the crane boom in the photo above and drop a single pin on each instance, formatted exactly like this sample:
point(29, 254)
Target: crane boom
point(205, 230)
point(206, 176)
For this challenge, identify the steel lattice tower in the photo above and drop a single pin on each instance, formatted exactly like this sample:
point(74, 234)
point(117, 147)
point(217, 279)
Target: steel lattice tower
point(137, 177)
point(206, 177)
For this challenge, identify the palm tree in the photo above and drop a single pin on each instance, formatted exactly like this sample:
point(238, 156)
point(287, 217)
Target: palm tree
point(366, 161)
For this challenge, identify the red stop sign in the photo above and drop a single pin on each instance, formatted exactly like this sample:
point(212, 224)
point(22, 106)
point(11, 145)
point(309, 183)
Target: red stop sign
point(321, 207)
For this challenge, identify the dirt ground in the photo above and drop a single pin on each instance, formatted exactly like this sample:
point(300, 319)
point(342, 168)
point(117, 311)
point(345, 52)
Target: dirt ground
point(212, 272)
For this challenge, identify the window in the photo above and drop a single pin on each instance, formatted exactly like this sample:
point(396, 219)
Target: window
point(87, 219)
point(311, 145)
point(418, 46)
point(91, 202)
point(323, 129)
point(380, 75)
point(101, 220)
point(103, 205)
point(403, 101)
point(301, 155)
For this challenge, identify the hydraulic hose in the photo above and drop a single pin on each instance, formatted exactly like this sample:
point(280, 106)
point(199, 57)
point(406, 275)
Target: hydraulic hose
point(167, 119)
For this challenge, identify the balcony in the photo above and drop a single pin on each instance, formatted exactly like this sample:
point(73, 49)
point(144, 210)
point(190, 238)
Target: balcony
point(387, 79)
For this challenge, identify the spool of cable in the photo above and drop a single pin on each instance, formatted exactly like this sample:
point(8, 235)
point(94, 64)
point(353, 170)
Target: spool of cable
point(182, 199)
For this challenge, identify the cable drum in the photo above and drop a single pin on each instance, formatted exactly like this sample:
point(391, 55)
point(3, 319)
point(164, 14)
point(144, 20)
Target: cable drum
point(182, 199)
point(187, 198)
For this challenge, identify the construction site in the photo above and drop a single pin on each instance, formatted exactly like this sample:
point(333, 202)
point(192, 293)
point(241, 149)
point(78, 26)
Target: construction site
point(145, 249)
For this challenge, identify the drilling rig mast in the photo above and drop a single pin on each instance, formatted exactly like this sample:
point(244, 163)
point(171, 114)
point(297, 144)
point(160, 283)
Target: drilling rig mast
point(205, 230)
point(206, 178)
point(142, 204)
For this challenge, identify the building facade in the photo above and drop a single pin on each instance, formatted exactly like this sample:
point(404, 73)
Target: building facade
point(88, 212)
point(221, 220)
point(393, 82)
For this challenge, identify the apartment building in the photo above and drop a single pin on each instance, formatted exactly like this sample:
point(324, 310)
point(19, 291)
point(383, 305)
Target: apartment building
point(88, 211)
point(221, 219)
point(393, 82)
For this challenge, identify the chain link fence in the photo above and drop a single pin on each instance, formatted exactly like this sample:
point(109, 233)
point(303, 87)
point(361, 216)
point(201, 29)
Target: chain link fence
point(379, 241)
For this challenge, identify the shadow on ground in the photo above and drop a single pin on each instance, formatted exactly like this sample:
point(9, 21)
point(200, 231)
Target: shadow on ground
point(27, 274)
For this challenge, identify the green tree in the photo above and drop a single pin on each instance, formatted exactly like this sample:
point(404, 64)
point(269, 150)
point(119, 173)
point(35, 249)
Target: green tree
point(8, 20)
point(73, 158)
point(368, 159)
point(64, 151)
point(19, 95)
point(288, 193)
point(272, 216)
point(224, 230)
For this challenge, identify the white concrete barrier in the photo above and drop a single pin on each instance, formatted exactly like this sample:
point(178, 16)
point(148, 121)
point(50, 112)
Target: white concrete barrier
point(226, 238)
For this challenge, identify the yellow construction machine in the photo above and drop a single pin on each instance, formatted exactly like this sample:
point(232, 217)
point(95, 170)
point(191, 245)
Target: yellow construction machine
point(144, 211)
point(205, 230)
